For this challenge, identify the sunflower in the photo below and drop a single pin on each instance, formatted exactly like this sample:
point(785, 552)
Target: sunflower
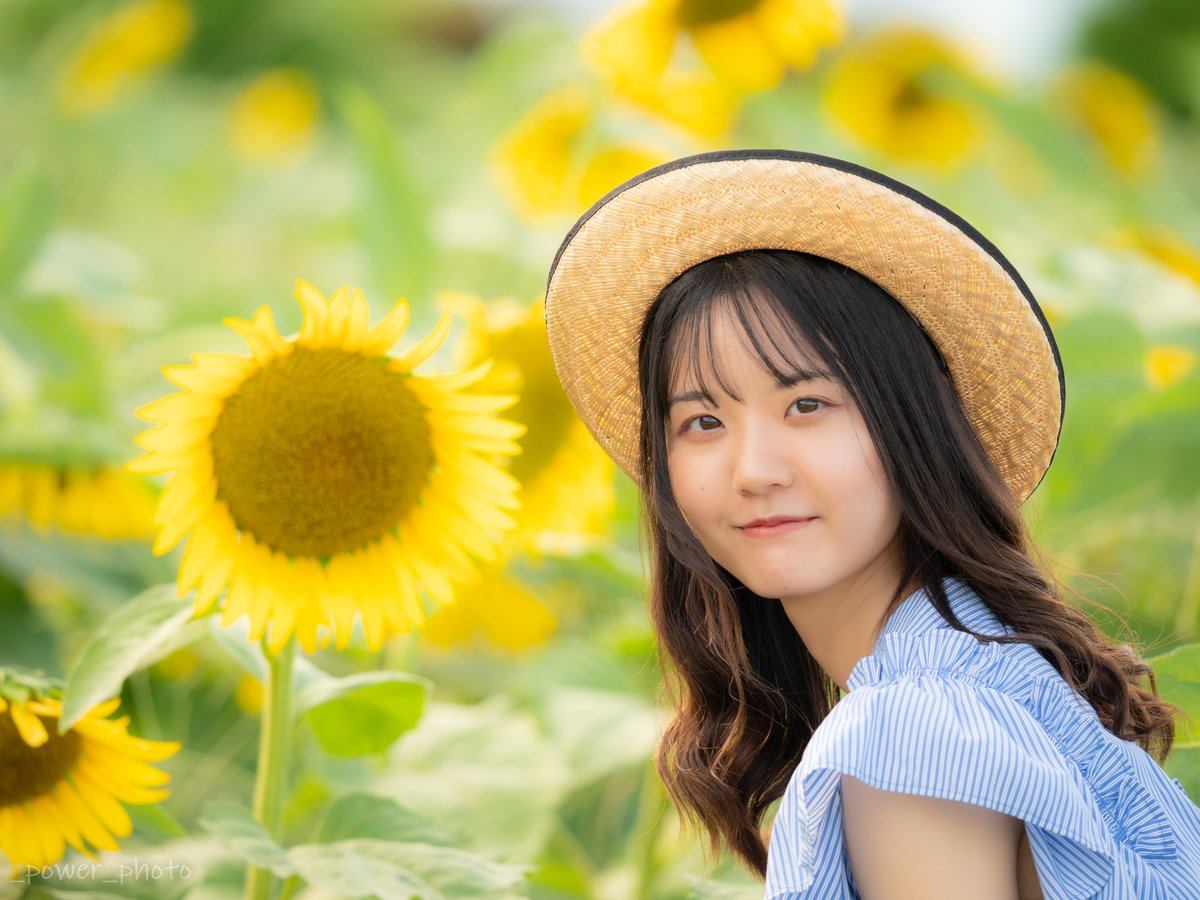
point(499, 608)
point(321, 479)
point(745, 44)
point(1165, 247)
point(98, 501)
point(549, 162)
point(67, 789)
point(1168, 364)
point(567, 494)
point(275, 116)
point(566, 479)
point(887, 92)
point(122, 50)
point(1117, 112)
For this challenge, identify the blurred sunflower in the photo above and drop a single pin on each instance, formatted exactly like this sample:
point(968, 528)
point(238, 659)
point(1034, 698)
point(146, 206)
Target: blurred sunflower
point(67, 789)
point(97, 501)
point(321, 479)
point(122, 50)
point(885, 91)
point(274, 117)
point(1168, 364)
point(497, 607)
point(1165, 247)
point(549, 162)
point(567, 494)
point(1117, 112)
point(745, 44)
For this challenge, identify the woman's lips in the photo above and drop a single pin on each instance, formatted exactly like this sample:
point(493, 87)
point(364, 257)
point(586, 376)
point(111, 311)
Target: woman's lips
point(774, 525)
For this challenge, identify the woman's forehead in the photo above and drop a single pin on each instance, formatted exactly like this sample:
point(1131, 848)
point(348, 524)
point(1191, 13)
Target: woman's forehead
point(754, 324)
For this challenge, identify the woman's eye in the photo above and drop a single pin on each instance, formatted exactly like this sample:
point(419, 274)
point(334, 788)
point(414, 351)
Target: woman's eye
point(805, 405)
point(702, 423)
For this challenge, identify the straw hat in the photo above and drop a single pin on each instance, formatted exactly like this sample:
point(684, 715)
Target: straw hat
point(969, 299)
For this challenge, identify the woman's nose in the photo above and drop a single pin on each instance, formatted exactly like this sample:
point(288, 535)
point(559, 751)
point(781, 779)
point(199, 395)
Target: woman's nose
point(761, 462)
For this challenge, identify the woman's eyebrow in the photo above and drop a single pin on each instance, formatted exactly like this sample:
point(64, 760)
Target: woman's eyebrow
point(687, 396)
point(797, 376)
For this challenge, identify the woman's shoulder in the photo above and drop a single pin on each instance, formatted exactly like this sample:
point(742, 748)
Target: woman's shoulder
point(936, 712)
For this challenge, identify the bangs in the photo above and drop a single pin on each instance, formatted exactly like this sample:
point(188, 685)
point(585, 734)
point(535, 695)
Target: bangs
point(790, 351)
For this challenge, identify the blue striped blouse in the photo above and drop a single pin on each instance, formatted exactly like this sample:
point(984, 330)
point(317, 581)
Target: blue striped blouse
point(933, 711)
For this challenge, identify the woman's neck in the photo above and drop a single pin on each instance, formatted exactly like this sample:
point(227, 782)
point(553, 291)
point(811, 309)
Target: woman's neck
point(841, 626)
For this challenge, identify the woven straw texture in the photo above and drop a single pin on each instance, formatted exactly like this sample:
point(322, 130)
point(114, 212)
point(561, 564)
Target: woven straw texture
point(1000, 357)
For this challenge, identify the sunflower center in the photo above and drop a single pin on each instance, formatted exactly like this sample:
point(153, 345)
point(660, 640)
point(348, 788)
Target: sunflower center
point(910, 97)
point(321, 452)
point(542, 405)
point(696, 13)
point(28, 772)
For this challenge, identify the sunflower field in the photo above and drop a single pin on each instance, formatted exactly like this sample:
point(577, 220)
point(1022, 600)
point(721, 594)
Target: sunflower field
point(311, 583)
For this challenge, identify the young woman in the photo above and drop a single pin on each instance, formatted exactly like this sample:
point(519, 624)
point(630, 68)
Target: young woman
point(834, 394)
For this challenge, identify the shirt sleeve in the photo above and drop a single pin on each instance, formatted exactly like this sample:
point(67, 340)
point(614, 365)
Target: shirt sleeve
point(952, 739)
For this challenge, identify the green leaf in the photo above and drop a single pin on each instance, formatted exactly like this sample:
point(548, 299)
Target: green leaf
point(363, 713)
point(351, 716)
point(1178, 677)
point(137, 634)
point(402, 870)
point(153, 821)
point(707, 889)
point(233, 827)
point(26, 214)
point(1184, 765)
point(395, 206)
point(248, 656)
point(601, 732)
point(368, 816)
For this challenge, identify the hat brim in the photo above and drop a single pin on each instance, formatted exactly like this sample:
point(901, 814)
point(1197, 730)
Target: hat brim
point(970, 300)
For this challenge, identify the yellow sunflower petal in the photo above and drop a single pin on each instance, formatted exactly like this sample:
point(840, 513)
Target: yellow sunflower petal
point(366, 583)
point(187, 495)
point(405, 611)
point(426, 347)
point(47, 839)
point(45, 809)
point(118, 759)
point(359, 320)
point(338, 320)
point(633, 43)
point(203, 550)
point(14, 836)
point(210, 373)
point(339, 598)
point(798, 29)
point(29, 726)
point(122, 790)
point(90, 827)
point(112, 815)
point(739, 53)
point(459, 380)
point(312, 302)
point(388, 330)
point(260, 335)
point(181, 407)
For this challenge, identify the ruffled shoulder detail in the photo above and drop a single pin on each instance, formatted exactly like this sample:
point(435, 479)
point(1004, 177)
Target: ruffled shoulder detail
point(942, 714)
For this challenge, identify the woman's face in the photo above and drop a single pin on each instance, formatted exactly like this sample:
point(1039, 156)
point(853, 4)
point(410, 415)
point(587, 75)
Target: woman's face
point(780, 482)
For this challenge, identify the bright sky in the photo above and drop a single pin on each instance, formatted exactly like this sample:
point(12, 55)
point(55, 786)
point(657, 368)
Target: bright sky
point(1016, 37)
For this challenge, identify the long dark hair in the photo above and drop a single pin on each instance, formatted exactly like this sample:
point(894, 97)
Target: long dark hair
point(746, 691)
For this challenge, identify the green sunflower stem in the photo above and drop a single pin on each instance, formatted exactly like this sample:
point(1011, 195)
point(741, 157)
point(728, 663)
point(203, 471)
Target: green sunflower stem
point(274, 752)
